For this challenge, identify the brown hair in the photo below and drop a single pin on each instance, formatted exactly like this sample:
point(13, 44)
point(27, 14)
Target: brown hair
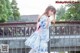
point(50, 8)
point(47, 10)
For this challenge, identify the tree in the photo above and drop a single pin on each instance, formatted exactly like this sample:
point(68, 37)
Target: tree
point(3, 11)
point(9, 9)
point(60, 13)
point(73, 12)
point(16, 14)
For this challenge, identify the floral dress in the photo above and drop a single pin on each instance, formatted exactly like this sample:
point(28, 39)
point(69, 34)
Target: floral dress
point(39, 39)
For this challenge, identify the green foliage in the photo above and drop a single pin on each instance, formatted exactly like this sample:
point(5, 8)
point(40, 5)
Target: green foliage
point(8, 11)
point(60, 13)
point(3, 11)
point(3, 17)
point(16, 14)
point(73, 12)
point(8, 6)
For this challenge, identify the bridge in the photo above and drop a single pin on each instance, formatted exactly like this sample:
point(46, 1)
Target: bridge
point(64, 36)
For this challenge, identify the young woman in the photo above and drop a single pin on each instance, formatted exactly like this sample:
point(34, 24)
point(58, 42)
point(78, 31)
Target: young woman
point(39, 39)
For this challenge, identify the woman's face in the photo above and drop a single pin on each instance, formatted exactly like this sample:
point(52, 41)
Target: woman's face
point(50, 12)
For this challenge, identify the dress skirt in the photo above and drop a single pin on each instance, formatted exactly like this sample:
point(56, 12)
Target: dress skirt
point(38, 40)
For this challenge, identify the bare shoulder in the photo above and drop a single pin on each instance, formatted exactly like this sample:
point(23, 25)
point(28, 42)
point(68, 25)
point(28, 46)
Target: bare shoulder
point(42, 17)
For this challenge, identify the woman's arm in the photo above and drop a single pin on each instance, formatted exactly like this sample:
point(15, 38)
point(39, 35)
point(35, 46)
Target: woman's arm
point(53, 19)
point(42, 22)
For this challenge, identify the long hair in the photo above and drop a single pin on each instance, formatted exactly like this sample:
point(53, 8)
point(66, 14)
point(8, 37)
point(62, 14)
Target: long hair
point(49, 8)
point(47, 11)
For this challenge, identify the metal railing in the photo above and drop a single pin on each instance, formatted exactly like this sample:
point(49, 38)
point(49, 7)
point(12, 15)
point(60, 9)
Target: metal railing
point(14, 35)
point(65, 36)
